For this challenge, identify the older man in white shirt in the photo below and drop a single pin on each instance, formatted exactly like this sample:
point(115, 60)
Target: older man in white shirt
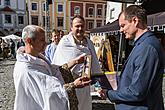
point(38, 84)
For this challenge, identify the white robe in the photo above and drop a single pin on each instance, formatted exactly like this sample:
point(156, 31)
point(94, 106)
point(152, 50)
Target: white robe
point(38, 85)
point(67, 50)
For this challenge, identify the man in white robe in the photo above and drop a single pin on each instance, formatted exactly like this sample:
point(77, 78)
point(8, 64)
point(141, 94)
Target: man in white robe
point(73, 45)
point(38, 84)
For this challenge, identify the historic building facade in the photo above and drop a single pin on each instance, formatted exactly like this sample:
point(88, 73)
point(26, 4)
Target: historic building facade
point(94, 12)
point(60, 12)
point(12, 16)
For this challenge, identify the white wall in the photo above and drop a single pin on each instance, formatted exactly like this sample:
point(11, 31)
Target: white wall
point(21, 5)
point(116, 7)
point(13, 4)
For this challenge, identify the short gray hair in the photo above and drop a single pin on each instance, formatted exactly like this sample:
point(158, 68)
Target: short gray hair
point(30, 31)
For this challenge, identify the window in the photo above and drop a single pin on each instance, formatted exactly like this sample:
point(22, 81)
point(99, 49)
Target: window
point(90, 24)
point(59, 21)
point(8, 19)
point(43, 6)
point(7, 2)
point(99, 24)
point(35, 20)
point(76, 10)
point(34, 6)
point(46, 21)
point(105, 10)
point(99, 11)
point(60, 8)
point(43, 19)
point(20, 20)
point(90, 11)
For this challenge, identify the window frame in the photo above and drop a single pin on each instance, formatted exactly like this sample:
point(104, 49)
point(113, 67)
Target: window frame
point(20, 20)
point(60, 11)
point(43, 6)
point(7, 20)
point(98, 23)
point(7, 2)
point(100, 12)
point(34, 23)
point(90, 15)
point(78, 7)
point(43, 20)
point(36, 6)
point(89, 25)
point(59, 23)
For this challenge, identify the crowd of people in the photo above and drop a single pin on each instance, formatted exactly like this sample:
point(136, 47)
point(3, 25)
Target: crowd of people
point(8, 48)
point(4, 48)
point(51, 77)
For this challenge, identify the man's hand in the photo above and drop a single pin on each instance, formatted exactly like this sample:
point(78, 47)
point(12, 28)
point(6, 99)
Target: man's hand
point(80, 59)
point(77, 60)
point(82, 82)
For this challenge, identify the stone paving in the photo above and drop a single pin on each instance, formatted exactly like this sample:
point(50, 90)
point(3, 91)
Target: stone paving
point(7, 92)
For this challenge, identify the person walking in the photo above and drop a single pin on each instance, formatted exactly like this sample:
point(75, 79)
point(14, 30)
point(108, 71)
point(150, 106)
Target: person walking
point(20, 43)
point(12, 48)
point(5, 49)
point(140, 81)
point(73, 45)
point(38, 84)
point(61, 33)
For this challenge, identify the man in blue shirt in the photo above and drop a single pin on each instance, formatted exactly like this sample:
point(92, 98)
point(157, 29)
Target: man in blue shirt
point(140, 82)
point(51, 48)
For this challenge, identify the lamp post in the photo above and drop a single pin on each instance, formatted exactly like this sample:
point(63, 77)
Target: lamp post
point(47, 26)
point(47, 19)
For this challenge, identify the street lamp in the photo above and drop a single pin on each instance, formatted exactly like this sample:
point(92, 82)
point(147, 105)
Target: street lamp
point(47, 18)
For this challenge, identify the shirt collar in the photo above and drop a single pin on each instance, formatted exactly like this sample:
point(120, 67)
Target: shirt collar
point(142, 37)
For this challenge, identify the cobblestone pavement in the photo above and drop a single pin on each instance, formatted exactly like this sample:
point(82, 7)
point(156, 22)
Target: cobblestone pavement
point(7, 92)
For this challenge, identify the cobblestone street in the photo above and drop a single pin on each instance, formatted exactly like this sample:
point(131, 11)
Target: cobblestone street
point(7, 92)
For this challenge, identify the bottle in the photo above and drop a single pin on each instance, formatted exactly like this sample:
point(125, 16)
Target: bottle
point(97, 86)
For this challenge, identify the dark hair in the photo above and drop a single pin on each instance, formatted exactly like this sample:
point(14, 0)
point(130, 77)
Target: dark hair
point(55, 31)
point(135, 10)
point(61, 31)
point(78, 16)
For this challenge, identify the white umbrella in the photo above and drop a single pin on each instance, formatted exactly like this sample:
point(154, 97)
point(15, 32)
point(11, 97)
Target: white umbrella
point(15, 38)
point(12, 36)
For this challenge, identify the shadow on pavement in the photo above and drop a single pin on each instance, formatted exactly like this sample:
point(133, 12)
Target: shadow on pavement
point(102, 106)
